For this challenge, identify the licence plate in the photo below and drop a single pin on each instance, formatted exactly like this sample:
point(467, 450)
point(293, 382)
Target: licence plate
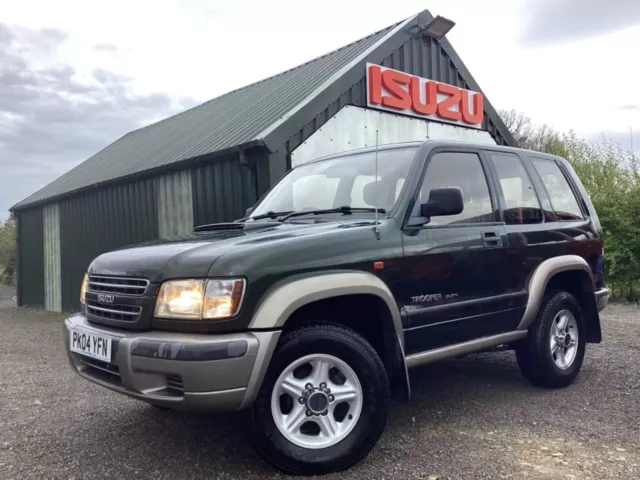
point(90, 345)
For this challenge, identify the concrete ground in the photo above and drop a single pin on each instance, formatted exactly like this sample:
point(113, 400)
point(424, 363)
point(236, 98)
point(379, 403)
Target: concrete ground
point(473, 418)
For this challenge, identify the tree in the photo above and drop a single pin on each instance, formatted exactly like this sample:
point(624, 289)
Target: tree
point(8, 252)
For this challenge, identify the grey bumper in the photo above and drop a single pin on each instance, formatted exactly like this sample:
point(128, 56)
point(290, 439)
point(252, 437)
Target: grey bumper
point(602, 298)
point(195, 372)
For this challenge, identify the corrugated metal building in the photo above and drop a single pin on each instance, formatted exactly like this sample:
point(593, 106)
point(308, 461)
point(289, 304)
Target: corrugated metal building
point(208, 164)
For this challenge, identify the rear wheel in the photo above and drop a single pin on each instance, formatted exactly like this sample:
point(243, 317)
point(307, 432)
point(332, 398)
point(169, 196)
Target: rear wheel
point(323, 403)
point(552, 354)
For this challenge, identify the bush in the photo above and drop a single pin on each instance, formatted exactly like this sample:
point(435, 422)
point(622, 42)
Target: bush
point(8, 253)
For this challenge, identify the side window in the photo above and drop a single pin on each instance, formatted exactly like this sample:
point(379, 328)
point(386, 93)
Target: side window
point(462, 170)
point(563, 200)
point(522, 205)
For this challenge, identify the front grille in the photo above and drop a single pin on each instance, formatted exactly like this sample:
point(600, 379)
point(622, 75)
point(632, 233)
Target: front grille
point(117, 285)
point(122, 313)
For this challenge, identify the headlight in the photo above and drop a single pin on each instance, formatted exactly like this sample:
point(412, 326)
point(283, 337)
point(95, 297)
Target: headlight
point(199, 299)
point(83, 288)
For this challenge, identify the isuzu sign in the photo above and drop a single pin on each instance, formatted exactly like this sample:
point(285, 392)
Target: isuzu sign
point(399, 92)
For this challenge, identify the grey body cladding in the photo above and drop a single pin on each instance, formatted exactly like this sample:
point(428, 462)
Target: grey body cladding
point(230, 150)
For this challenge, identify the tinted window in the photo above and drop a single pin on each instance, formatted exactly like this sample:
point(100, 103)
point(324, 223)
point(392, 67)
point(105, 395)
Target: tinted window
point(462, 170)
point(521, 202)
point(563, 200)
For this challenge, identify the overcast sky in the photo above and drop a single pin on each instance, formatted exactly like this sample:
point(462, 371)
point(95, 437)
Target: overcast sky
point(75, 74)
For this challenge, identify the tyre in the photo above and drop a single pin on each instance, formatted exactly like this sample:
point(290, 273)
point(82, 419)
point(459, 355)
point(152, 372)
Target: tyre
point(323, 403)
point(552, 354)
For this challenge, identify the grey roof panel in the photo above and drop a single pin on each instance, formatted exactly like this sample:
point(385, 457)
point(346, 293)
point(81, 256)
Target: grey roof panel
point(232, 119)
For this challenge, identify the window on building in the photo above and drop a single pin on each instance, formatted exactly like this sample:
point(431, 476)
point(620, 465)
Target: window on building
point(521, 202)
point(462, 170)
point(562, 199)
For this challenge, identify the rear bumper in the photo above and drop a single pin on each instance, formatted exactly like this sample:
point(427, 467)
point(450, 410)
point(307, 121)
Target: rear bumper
point(195, 372)
point(602, 298)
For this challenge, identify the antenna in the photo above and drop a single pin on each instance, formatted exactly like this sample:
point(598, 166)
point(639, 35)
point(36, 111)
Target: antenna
point(376, 231)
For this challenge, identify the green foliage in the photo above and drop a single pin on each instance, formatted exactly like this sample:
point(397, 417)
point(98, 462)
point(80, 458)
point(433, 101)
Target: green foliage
point(8, 252)
point(611, 176)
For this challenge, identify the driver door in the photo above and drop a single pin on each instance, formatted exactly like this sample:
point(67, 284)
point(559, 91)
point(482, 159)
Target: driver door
point(456, 264)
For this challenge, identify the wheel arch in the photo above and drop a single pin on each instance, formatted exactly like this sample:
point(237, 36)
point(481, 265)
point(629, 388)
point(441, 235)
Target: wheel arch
point(289, 302)
point(570, 273)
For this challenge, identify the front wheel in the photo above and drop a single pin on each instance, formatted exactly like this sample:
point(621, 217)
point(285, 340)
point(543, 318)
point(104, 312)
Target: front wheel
point(323, 403)
point(552, 354)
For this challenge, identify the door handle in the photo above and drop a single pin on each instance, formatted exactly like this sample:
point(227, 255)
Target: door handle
point(491, 239)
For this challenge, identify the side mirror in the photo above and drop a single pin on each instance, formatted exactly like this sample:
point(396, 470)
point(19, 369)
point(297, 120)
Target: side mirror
point(443, 201)
point(248, 211)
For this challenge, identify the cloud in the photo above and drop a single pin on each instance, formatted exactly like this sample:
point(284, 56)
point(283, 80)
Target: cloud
point(51, 119)
point(106, 47)
point(629, 107)
point(556, 21)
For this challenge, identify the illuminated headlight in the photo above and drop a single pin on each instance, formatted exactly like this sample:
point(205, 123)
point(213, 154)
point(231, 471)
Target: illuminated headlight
point(199, 299)
point(83, 289)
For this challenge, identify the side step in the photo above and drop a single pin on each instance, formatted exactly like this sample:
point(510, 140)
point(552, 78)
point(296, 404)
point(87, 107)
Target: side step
point(471, 346)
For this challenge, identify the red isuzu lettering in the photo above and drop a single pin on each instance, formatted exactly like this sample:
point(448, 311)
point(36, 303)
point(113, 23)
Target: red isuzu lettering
point(422, 97)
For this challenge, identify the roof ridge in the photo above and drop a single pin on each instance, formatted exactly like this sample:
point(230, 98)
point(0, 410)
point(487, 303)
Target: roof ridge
point(335, 50)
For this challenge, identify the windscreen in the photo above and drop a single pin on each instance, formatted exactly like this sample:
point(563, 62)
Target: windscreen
point(342, 181)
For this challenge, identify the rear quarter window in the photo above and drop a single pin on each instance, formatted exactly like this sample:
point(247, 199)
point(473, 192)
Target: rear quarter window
point(563, 200)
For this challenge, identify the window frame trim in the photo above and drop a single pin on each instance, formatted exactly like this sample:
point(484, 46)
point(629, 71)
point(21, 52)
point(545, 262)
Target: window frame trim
point(416, 192)
point(572, 187)
point(530, 173)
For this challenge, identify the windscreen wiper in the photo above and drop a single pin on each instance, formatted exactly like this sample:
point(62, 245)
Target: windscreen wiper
point(270, 214)
point(345, 210)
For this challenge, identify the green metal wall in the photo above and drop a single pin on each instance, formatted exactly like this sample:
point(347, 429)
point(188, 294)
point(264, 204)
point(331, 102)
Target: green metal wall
point(222, 191)
point(31, 257)
point(116, 216)
point(94, 223)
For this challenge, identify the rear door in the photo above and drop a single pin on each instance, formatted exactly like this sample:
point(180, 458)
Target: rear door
point(542, 214)
point(526, 212)
point(454, 290)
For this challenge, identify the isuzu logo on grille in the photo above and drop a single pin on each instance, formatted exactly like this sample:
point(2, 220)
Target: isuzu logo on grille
point(105, 298)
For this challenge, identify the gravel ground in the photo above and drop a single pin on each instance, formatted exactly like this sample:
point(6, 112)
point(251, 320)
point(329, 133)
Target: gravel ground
point(472, 418)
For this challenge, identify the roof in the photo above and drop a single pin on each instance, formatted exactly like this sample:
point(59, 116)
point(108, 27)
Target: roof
point(233, 119)
point(261, 114)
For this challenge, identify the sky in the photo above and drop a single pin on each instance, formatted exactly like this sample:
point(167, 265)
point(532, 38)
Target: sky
point(77, 75)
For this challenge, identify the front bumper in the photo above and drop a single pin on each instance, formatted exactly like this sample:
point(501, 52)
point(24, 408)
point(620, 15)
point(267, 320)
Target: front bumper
point(602, 298)
point(193, 372)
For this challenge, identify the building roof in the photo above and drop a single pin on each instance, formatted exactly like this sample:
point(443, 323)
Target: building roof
point(233, 119)
point(243, 117)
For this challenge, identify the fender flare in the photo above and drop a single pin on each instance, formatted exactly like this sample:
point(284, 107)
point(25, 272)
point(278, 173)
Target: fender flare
point(287, 296)
point(540, 279)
